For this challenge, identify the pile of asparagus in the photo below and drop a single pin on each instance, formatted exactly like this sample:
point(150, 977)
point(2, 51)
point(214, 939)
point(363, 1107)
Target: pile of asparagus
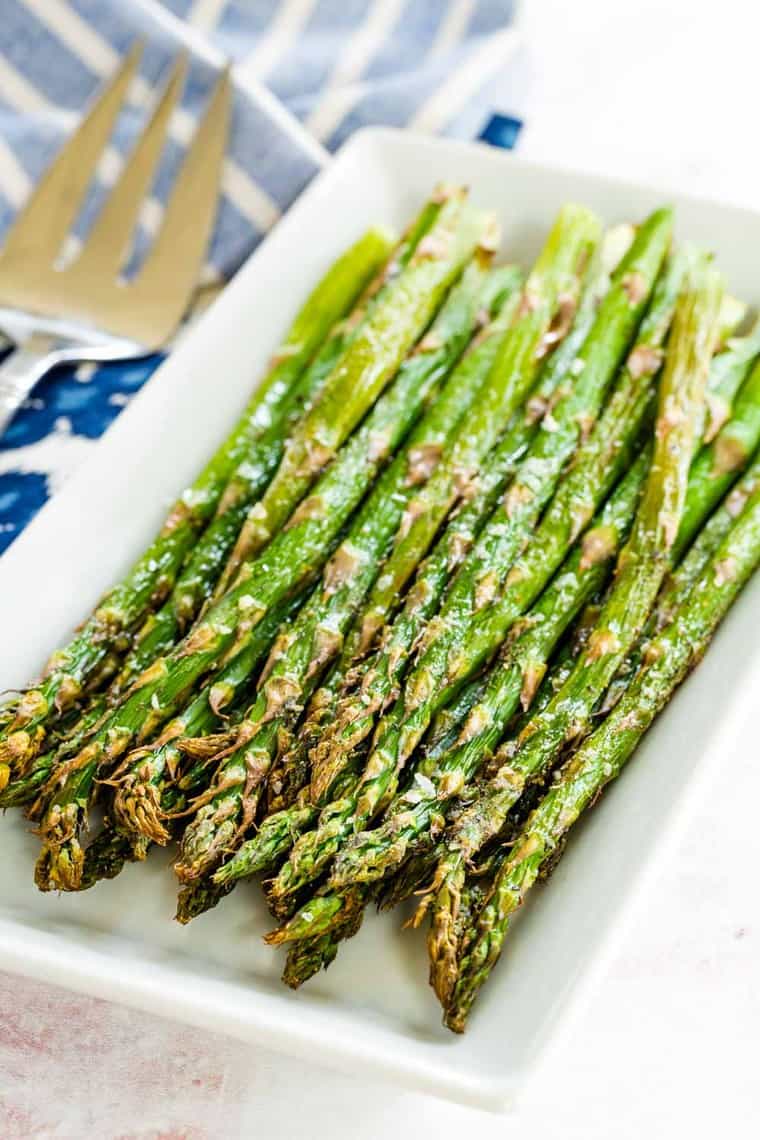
point(469, 534)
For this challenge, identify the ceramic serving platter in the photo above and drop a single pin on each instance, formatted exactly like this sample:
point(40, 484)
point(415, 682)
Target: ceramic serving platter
point(372, 1010)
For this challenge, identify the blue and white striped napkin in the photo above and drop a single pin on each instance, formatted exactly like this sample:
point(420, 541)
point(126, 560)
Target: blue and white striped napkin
point(307, 74)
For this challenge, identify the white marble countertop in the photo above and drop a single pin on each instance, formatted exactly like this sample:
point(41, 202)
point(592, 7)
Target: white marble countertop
point(662, 90)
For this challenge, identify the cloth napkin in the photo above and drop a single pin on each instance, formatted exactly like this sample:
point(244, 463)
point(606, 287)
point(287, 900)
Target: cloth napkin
point(307, 74)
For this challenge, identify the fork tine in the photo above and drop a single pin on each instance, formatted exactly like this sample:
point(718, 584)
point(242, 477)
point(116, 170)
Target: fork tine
point(108, 240)
point(172, 267)
point(37, 234)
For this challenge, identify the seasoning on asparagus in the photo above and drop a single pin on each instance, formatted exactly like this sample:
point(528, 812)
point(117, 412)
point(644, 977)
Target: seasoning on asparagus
point(401, 729)
point(336, 772)
point(598, 464)
point(306, 649)
point(359, 376)
point(641, 567)
point(344, 716)
point(601, 758)
point(373, 854)
point(152, 576)
point(295, 555)
point(579, 579)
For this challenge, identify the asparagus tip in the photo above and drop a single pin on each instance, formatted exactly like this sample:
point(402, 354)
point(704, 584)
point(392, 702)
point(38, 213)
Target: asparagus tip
point(137, 806)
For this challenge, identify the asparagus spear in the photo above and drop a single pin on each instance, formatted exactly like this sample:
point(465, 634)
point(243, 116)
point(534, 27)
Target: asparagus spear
point(580, 578)
point(373, 854)
point(361, 374)
point(207, 564)
point(278, 832)
point(106, 855)
point(199, 576)
point(713, 472)
point(728, 372)
point(477, 295)
point(679, 583)
point(601, 758)
point(417, 871)
point(60, 865)
point(640, 570)
point(293, 559)
point(196, 899)
point(546, 317)
point(717, 465)
point(308, 957)
point(701, 497)
point(152, 576)
point(343, 716)
point(147, 776)
point(21, 743)
point(471, 623)
point(292, 770)
point(641, 567)
point(305, 650)
point(483, 356)
point(401, 730)
point(335, 778)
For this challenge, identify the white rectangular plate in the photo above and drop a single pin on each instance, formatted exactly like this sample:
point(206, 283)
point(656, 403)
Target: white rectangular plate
point(372, 1010)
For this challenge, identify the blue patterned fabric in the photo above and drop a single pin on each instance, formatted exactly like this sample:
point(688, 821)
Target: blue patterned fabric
point(333, 67)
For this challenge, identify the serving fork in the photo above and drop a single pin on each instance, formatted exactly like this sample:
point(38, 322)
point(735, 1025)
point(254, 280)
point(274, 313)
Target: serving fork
point(84, 309)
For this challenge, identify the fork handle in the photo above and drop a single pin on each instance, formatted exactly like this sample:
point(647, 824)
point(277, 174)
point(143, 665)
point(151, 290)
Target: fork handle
point(19, 373)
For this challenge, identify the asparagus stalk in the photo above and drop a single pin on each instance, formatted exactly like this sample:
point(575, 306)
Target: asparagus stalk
point(239, 496)
point(580, 578)
point(717, 465)
point(679, 583)
point(472, 622)
point(146, 781)
point(451, 405)
point(292, 559)
point(308, 957)
point(152, 576)
point(601, 758)
point(400, 731)
point(264, 850)
point(106, 856)
point(61, 866)
point(373, 854)
point(359, 377)
point(334, 778)
point(476, 295)
point(277, 833)
point(305, 650)
point(549, 303)
point(415, 874)
point(292, 770)
point(341, 721)
point(199, 576)
point(641, 568)
point(729, 370)
point(335, 773)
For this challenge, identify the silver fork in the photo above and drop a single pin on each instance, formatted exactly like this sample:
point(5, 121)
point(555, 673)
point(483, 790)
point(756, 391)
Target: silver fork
point(85, 311)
